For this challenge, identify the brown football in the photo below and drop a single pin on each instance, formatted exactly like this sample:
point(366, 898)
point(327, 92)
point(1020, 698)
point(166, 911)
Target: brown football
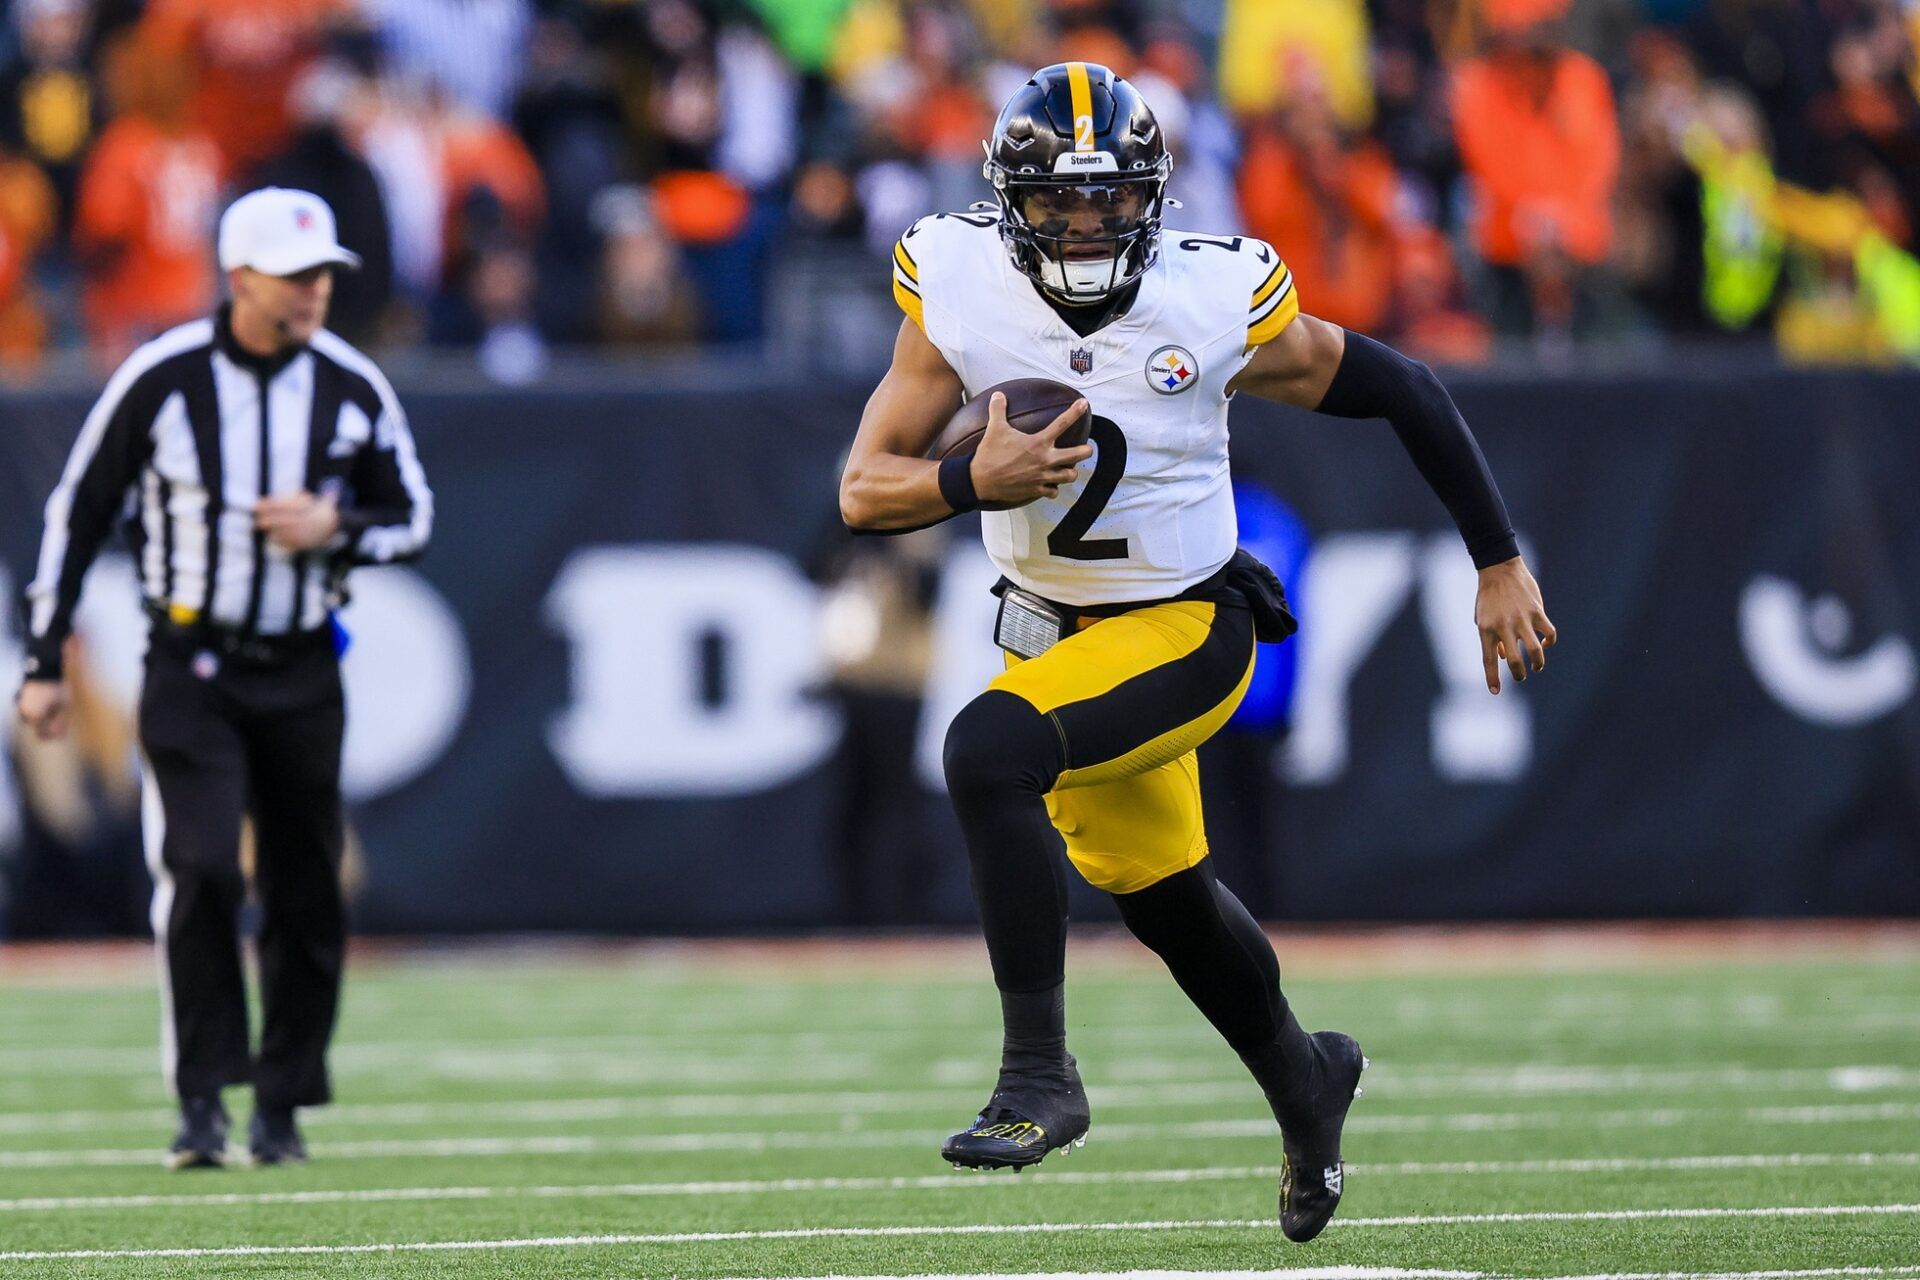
point(1032, 405)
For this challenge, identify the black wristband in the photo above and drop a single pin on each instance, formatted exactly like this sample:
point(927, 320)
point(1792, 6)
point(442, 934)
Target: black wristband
point(956, 483)
point(43, 666)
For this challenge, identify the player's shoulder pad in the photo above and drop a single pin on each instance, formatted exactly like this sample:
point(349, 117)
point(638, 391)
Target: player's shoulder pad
point(935, 246)
point(1241, 280)
point(1273, 303)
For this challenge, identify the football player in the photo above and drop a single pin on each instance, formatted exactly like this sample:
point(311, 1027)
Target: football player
point(1127, 612)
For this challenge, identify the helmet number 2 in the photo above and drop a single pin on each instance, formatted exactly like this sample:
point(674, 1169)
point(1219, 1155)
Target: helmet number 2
point(1083, 133)
point(1069, 538)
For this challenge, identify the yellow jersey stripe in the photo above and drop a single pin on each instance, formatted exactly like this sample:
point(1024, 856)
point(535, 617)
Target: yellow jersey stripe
point(1272, 282)
point(910, 303)
point(905, 259)
point(1270, 326)
point(1080, 90)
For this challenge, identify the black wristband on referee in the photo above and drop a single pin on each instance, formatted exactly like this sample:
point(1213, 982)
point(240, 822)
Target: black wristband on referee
point(956, 483)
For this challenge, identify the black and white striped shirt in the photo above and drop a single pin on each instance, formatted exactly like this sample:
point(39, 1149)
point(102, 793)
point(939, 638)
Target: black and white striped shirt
point(189, 434)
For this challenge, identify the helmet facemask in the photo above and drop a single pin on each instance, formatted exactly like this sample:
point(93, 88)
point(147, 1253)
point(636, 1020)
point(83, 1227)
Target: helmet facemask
point(1081, 240)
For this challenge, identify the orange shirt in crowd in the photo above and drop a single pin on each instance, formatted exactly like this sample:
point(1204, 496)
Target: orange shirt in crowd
point(144, 222)
point(26, 223)
point(1539, 137)
point(247, 54)
point(478, 152)
point(1336, 233)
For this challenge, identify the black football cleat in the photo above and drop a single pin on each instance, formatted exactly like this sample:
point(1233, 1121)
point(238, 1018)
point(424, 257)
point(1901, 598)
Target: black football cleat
point(1311, 1174)
point(274, 1138)
point(202, 1140)
point(1029, 1116)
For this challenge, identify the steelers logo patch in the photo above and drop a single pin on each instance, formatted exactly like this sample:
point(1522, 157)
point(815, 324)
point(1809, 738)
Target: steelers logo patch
point(1171, 370)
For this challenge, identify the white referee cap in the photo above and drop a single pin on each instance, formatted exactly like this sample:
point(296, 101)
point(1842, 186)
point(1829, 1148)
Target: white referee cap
point(280, 232)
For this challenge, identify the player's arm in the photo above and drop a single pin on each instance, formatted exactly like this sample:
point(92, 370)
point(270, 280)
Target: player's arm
point(1319, 366)
point(889, 483)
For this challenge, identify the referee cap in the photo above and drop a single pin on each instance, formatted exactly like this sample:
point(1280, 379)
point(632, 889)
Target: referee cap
point(280, 232)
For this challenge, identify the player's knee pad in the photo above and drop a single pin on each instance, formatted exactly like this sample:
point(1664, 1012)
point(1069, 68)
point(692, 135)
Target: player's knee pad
point(1000, 745)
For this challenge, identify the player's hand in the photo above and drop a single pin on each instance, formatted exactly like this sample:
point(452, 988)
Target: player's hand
point(1513, 622)
point(42, 707)
point(1011, 466)
point(297, 521)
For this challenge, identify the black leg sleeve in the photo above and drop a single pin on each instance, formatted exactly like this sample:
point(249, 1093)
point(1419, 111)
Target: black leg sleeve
point(1002, 758)
point(1221, 958)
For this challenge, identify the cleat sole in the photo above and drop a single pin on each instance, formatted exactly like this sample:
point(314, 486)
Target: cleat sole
point(179, 1160)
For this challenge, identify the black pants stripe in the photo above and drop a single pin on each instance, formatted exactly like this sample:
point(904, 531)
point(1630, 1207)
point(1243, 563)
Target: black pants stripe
point(224, 739)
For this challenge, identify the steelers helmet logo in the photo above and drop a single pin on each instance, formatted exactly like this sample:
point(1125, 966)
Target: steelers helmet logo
point(1171, 370)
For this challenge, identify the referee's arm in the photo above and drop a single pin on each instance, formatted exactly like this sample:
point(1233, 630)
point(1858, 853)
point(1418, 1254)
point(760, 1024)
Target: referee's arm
point(390, 517)
point(113, 445)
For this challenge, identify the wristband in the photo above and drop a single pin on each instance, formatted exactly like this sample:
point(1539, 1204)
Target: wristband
point(956, 483)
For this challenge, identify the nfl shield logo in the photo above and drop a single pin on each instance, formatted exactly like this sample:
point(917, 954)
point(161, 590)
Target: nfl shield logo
point(1081, 361)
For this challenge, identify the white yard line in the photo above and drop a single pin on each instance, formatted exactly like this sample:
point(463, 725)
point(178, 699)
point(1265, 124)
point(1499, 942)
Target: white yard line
point(1524, 1081)
point(950, 1182)
point(963, 1229)
point(1815, 1273)
point(1259, 1129)
point(1349, 1271)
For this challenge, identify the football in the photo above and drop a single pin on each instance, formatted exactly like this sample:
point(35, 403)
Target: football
point(1032, 405)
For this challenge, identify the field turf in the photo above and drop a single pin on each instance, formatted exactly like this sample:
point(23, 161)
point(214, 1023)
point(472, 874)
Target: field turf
point(680, 1112)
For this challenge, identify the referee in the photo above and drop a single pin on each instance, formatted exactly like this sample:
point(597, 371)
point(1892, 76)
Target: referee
point(252, 458)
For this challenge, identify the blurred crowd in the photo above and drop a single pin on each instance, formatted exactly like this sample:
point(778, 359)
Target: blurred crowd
point(521, 174)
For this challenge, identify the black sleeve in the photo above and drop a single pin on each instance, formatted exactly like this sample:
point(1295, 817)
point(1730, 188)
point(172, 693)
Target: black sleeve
point(113, 445)
point(390, 516)
point(1375, 381)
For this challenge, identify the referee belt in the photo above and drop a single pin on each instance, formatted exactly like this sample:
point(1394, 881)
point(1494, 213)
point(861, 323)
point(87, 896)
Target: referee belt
point(182, 628)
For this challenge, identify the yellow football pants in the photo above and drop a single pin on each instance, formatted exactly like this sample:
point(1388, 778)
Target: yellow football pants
point(1131, 697)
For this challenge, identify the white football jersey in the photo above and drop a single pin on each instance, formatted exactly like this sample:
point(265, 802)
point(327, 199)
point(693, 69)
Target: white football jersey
point(1152, 512)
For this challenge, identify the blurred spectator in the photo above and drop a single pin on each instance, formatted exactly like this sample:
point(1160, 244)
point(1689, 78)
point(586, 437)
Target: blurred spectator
point(1668, 224)
point(570, 120)
point(1268, 49)
point(1327, 204)
point(1870, 120)
point(1538, 137)
point(876, 634)
point(49, 109)
point(496, 202)
point(395, 127)
point(148, 200)
point(469, 50)
point(1205, 146)
point(1742, 249)
point(243, 55)
point(642, 296)
point(27, 213)
point(322, 161)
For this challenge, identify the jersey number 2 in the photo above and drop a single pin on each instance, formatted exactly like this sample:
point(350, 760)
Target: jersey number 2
point(1069, 538)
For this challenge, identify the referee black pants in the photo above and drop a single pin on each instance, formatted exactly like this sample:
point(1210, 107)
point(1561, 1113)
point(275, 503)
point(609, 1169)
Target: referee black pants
point(224, 738)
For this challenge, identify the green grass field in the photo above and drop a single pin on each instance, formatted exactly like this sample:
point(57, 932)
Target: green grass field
point(527, 1115)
